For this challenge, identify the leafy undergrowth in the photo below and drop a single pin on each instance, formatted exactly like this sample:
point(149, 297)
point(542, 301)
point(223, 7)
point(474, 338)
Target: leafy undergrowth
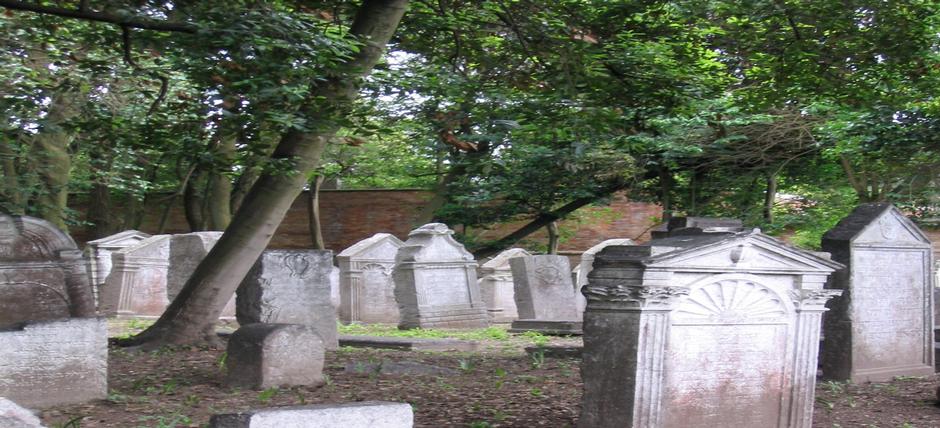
point(499, 386)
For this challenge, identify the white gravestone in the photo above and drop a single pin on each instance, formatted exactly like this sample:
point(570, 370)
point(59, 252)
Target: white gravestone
point(436, 282)
point(544, 295)
point(587, 264)
point(496, 286)
point(98, 253)
point(367, 292)
point(137, 282)
point(710, 330)
point(884, 326)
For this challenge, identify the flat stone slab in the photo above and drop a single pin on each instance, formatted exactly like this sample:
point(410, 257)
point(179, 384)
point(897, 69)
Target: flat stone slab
point(365, 414)
point(552, 328)
point(398, 368)
point(409, 343)
point(555, 351)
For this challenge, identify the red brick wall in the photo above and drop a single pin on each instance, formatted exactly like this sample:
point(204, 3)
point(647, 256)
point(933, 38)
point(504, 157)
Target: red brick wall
point(349, 216)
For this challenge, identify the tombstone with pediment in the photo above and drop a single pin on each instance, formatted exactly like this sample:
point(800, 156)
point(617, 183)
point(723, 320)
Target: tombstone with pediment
point(883, 327)
point(436, 282)
point(98, 253)
point(367, 292)
point(53, 350)
point(709, 330)
point(137, 282)
point(587, 265)
point(497, 287)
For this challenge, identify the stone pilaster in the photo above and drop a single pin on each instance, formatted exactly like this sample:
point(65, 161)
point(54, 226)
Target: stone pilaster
point(809, 305)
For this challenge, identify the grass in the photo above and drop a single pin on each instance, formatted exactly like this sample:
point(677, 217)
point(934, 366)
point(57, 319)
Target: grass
point(489, 333)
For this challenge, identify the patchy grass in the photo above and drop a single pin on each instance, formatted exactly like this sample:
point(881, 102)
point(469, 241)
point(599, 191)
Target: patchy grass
point(489, 333)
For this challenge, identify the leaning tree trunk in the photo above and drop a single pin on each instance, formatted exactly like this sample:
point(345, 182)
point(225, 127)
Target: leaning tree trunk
point(192, 315)
point(552, 229)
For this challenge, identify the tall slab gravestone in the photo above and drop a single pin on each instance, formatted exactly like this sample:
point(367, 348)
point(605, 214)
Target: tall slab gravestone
point(137, 282)
point(367, 292)
point(496, 286)
point(436, 282)
point(544, 295)
point(883, 327)
point(290, 287)
point(713, 330)
point(587, 265)
point(98, 254)
point(52, 349)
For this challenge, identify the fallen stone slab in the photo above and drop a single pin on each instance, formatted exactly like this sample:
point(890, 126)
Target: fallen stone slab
point(398, 368)
point(365, 414)
point(14, 416)
point(409, 343)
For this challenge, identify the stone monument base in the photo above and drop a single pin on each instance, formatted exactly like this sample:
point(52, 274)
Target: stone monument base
point(554, 328)
point(454, 318)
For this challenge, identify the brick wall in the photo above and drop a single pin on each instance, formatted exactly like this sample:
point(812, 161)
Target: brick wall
point(349, 216)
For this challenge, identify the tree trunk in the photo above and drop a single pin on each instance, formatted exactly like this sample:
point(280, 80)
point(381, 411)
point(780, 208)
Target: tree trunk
point(51, 146)
point(552, 238)
point(219, 195)
point(191, 317)
point(194, 202)
point(769, 197)
point(100, 204)
point(13, 193)
point(665, 192)
point(313, 212)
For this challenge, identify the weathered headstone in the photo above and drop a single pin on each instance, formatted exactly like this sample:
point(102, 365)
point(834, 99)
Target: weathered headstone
point(261, 356)
point(367, 292)
point(694, 225)
point(883, 327)
point(138, 279)
point(98, 253)
point(714, 330)
point(50, 363)
point(363, 414)
point(42, 273)
point(496, 286)
point(436, 282)
point(587, 264)
point(544, 295)
point(290, 287)
point(187, 250)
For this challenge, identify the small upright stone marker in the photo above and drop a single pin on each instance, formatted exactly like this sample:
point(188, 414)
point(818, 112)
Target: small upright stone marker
point(883, 326)
point(708, 330)
point(261, 356)
point(290, 287)
point(363, 414)
point(497, 287)
point(544, 295)
point(367, 292)
point(436, 282)
point(137, 282)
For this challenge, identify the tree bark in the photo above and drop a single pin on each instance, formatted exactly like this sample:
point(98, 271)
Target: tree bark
point(313, 212)
point(194, 202)
point(12, 192)
point(552, 247)
point(769, 198)
point(51, 148)
point(191, 317)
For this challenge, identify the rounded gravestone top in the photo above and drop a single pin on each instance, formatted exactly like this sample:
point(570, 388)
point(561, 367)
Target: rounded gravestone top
point(30, 238)
point(432, 229)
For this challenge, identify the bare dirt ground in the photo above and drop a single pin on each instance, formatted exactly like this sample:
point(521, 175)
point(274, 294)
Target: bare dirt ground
point(498, 386)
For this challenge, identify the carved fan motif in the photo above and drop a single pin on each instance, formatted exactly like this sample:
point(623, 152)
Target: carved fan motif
point(731, 301)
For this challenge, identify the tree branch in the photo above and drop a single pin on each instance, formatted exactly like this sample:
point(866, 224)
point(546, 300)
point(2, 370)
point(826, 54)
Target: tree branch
point(89, 15)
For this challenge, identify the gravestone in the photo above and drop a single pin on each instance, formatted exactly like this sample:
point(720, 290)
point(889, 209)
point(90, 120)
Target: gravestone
point(290, 287)
point(362, 414)
point(883, 327)
point(42, 273)
point(695, 225)
point(187, 250)
point(14, 416)
point(367, 292)
point(261, 356)
point(544, 295)
point(496, 286)
point(436, 282)
point(98, 253)
point(138, 279)
point(709, 330)
point(587, 264)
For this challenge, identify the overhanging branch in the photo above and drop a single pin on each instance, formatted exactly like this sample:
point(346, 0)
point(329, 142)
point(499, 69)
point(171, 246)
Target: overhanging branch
point(89, 15)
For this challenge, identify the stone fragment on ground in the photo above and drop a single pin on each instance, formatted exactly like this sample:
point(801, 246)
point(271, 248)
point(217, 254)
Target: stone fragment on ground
point(365, 414)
